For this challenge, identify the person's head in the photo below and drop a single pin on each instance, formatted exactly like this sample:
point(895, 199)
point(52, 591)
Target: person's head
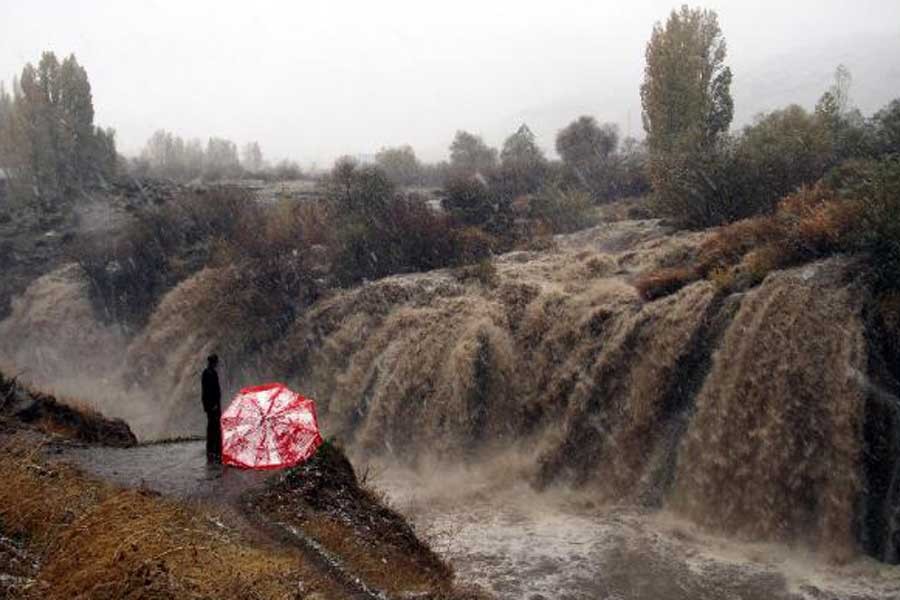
point(212, 360)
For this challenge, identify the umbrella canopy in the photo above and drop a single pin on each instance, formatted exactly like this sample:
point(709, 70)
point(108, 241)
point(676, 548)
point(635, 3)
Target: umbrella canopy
point(269, 427)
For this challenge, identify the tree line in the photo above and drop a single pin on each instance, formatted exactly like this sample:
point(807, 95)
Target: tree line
point(696, 170)
point(50, 148)
point(169, 156)
point(701, 173)
point(592, 158)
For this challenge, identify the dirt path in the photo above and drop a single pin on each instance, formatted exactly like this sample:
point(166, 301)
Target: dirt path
point(179, 469)
point(176, 469)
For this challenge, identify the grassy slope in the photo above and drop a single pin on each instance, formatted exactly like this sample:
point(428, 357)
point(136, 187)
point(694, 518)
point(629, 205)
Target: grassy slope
point(94, 540)
point(66, 535)
point(323, 500)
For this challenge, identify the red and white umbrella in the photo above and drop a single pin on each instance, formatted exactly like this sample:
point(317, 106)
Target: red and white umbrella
point(269, 427)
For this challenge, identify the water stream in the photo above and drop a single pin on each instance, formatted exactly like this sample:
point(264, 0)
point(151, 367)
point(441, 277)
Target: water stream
point(518, 544)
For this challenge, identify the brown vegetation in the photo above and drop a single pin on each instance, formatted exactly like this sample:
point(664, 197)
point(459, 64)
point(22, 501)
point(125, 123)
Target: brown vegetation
point(161, 246)
point(326, 502)
point(65, 419)
point(855, 209)
point(95, 541)
point(663, 282)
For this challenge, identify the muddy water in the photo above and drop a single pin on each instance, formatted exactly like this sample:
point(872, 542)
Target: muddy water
point(518, 544)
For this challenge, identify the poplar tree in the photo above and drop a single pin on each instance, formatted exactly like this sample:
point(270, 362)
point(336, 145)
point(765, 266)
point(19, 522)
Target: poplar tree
point(687, 109)
point(49, 144)
point(686, 89)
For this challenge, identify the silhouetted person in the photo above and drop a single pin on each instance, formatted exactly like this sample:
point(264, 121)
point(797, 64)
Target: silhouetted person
point(212, 405)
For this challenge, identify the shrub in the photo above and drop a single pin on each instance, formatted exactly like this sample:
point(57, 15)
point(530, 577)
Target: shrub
point(163, 245)
point(723, 278)
point(355, 191)
point(276, 271)
point(777, 154)
point(761, 261)
point(484, 272)
point(663, 282)
point(694, 187)
point(807, 225)
point(887, 128)
point(856, 208)
point(469, 200)
point(729, 244)
point(878, 231)
point(746, 175)
point(563, 211)
point(405, 236)
point(287, 170)
point(473, 244)
point(423, 238)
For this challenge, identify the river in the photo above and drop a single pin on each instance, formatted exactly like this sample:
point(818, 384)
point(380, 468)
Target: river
point(519, 544)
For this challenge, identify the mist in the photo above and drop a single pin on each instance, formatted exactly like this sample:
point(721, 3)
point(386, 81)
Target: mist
point(311, 83)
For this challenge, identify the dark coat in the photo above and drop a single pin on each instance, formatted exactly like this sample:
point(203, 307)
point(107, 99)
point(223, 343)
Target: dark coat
point(211, 392)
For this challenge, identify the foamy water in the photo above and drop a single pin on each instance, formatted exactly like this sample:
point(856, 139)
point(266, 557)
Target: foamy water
point(518, 544)
point(745, 413)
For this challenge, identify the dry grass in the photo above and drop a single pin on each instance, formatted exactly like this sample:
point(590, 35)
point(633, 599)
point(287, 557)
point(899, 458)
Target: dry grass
point(809, 224)
point(324, 500)
point(381, 565)
point(96, 541)
point(66, 417)
point(663, 282)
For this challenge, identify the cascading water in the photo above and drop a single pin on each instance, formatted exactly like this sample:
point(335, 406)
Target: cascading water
point(747, 413)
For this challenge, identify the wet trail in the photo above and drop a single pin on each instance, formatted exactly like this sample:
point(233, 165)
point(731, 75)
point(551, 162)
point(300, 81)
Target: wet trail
point(179, 469)
point(518, 544)
point(176, 469)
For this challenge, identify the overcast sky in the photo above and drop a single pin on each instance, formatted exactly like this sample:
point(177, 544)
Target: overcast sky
point(313, 80)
